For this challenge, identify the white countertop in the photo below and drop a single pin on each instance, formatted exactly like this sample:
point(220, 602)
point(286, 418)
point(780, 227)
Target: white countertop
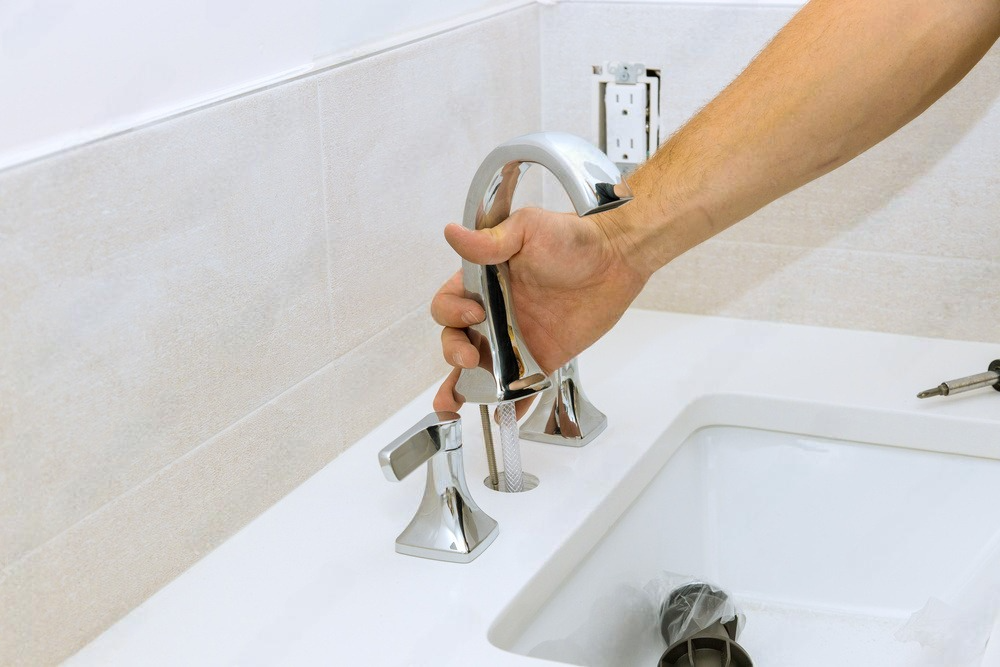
point(316, 580)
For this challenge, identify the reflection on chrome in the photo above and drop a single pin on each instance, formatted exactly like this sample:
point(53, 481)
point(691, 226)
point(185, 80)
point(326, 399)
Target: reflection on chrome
point(563, 415)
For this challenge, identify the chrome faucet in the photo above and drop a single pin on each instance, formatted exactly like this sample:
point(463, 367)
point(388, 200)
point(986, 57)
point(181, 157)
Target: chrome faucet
point(507, 370)
point(448, 524)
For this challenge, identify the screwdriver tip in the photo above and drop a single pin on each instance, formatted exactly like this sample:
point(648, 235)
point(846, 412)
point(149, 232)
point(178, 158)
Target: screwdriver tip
point(927, 393)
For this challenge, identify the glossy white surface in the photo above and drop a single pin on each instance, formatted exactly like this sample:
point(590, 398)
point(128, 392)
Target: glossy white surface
point(315, 579)
point(828, 547)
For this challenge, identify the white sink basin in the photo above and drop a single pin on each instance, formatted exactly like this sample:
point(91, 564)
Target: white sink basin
point(828, 547)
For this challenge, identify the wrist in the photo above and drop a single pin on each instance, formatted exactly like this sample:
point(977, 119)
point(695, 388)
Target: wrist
point(655, 227)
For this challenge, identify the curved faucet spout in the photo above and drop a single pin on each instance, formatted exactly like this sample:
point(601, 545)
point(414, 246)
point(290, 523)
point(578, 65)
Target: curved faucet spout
point(507, 370)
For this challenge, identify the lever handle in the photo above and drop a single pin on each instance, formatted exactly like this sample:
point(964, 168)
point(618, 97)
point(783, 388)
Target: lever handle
point(448, 524)
point(437, 432)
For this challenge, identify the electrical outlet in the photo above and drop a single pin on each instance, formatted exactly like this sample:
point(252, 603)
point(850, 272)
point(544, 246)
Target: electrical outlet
point(625, 133)
point(627, 112)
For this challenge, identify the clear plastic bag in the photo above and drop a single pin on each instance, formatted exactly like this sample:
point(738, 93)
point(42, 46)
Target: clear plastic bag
point(623, 625)
point(696, 606)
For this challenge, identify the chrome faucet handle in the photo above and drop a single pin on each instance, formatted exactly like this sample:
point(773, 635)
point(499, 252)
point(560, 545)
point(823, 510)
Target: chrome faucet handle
point(564, 415)
point(448, 525)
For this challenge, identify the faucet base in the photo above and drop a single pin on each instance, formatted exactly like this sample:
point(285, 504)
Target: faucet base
point(448, 527)
point(564, 415)
point(447, 555)
point(450, 555)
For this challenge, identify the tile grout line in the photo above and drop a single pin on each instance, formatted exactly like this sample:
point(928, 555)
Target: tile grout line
point(326, 220)
point(412, 311)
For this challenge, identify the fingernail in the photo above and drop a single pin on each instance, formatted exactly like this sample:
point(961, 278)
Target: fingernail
point(457, 358)
point(469, 317)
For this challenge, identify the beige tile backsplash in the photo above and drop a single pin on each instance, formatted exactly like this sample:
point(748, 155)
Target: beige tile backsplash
point(927, 296)
point(197, 315)
point(380, 112)
point(157, 288)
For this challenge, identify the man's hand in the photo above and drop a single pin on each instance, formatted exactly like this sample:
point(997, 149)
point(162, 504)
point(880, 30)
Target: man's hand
point(570, 279)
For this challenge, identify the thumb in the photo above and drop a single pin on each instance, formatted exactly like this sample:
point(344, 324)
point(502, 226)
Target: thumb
point(487, 246)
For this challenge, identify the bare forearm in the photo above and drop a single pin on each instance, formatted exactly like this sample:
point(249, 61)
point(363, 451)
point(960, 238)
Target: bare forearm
point(839, 78)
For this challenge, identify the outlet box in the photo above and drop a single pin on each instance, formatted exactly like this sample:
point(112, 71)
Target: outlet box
point(627, 112)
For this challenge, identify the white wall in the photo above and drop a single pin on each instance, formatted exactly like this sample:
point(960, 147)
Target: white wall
point(71, 71)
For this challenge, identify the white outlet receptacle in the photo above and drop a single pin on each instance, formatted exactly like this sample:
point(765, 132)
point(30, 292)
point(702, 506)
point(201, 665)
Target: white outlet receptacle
point(627, 112)
point(625, 108)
